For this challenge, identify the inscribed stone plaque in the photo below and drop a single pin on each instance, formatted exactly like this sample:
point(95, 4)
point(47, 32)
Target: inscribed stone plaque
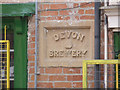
point(64, 44)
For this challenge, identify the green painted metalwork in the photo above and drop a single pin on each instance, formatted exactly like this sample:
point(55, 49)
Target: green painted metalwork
point(19, 26)
point(20, 53)
point(21, 9)
point(117, 44)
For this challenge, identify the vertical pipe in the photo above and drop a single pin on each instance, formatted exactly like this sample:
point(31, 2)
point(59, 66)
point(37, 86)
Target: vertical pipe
point(117, 73)
point(1, 48)
point(84, 75)
point(8, 65)
point(117, 76)
point(105, 51)
point(5, 32)
point(105, 44)
point(106, 2)
point(36, 28)
point(97, 42)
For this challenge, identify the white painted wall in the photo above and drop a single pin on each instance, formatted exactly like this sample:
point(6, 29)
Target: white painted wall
point(114, 2)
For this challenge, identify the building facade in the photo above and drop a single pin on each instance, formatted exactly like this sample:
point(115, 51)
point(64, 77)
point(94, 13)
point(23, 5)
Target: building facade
point(65, 37)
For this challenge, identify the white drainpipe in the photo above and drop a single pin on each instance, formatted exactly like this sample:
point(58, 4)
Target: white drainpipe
point(105, 44)
point(105, 53)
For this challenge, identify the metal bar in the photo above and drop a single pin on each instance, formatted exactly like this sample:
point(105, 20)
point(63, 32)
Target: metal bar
point(36, 29)
point(97, 42)
point(11, 50)
point(3, 41)
point(86, 62)
point(1, 67)
point(106, 3)
point(84, 75)
point(102, 61)
point(5, 32)
point(105, 50)
point(8, 64)
point(6, 79)
point(116, 76)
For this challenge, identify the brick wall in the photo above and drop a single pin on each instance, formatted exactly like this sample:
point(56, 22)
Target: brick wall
point(58, 77)
point(62, 76)
point(111, 68)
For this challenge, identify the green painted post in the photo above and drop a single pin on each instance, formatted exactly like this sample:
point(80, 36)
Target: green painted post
point(20, 53)
point(15, 14)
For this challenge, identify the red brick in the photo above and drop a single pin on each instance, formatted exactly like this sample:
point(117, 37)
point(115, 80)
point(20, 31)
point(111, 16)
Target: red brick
point(63, 85)
point(50, 18)
point(58, 6)
point(42, 18)
point(102, 49)
point(31, 64)
point(32, 77)
point(102, 68)
point(57, 78)
point(40, 6)
point(49, 13)
point(33, 33)
point(42, 70)
point(64, 12)
point(32, 39)
point(31, 84)
point(53, 70)
point(91, 11)
point(59, 18)
point(84, 5)
point(111, 84)
point(81, 11)
point(87, 17)
point(111, 78)
point(77, 17)
point(31, 58)
point(46, 6)
point(74, 78)
point(77, 84)
point(90, 71)
point(32, 45)
point(111, 72)
point(91, 84)
point(102, 85)
point(110, 35)
point(110, 41)
point(90, 77)
point(32, 70)
point(76, 4)
point(42, 77)
point(110, 55)
point(31, 51)
point(71, 70)
point(67, 18)
point(44, 85)
point(28, 46)
point(102, 77)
